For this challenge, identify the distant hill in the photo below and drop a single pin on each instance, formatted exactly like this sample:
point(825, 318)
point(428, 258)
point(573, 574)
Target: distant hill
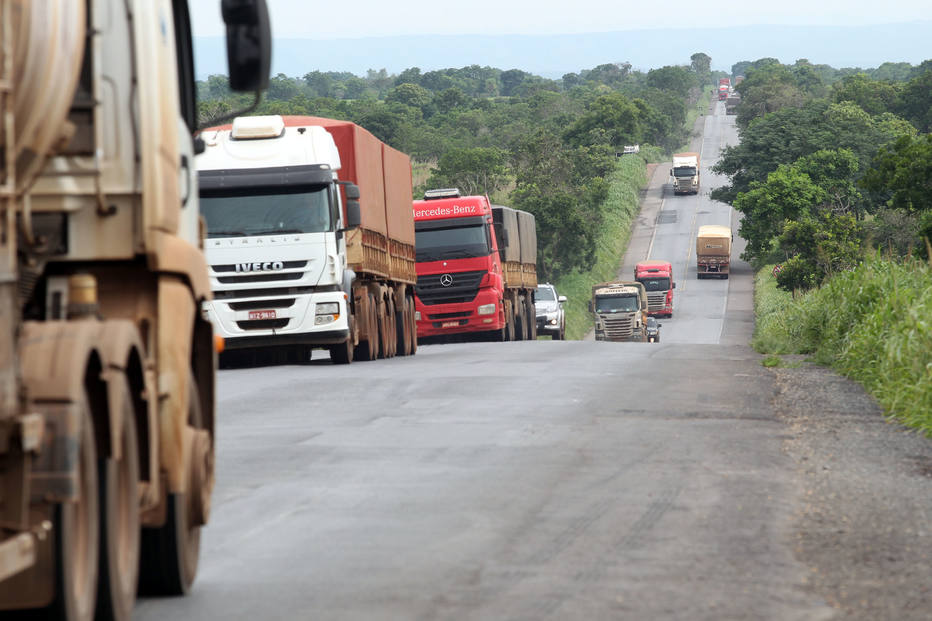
point(554, 55)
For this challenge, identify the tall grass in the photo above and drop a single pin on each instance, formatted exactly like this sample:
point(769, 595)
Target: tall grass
point(872, 324)
point(620, 209)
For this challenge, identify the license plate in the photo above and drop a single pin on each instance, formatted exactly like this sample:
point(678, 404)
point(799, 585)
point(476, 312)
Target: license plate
point(262, 314)
point(450, 324)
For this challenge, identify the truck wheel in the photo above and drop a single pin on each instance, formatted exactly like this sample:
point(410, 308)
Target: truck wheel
point(413, 325)
point(119, 524)
point(510, 327)
point(342, 353)
point(401, 330)
point(532, 319)
point(519, 323)
point(391, 330)
point(369, 349)
point(170, 553)
point(77, 532)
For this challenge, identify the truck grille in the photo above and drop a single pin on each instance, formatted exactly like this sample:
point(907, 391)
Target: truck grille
point(618, 328)
point(656, 300)
point(464, 288)
point(262, 324)
point(288, 265)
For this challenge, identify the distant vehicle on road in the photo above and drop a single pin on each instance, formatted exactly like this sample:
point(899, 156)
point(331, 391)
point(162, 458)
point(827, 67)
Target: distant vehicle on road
point(620, 310)
point(653, 330)
point(713, 250)
point(551, 318)
point(685, 173)
point(657, 278)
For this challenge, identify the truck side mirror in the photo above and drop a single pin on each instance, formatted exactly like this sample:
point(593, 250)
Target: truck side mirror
point(249, 44)
point(353, 215)
point(352, 191)
point(674, 285)
point(504, 237)
point(561, 299)
point(590, 307)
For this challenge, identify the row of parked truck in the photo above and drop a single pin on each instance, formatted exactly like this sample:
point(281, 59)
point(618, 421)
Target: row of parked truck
point(314, 241)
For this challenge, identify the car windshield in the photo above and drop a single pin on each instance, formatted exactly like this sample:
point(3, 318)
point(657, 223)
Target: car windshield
point(267, 212)
point(456, 242)
point(616, 304)
point(545, 294)
point(655, 284)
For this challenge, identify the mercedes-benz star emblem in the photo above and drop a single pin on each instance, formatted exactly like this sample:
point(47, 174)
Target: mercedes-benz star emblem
point(446, 280)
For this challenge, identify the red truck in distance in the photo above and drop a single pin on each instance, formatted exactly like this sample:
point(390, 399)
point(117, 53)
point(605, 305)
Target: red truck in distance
point(657, 278)
point(463, 286)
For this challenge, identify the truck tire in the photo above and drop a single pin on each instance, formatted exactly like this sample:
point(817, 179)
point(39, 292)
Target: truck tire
point(119, 523)
point(77, 532)
point(342, 353)
point(413, 324)
point(510, 326)
point(369, 348)
point(170, 553)
point(532, 319)
point(402, 345)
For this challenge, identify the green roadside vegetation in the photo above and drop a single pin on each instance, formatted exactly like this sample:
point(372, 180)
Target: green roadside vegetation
point(872, 324)
point(831, 177)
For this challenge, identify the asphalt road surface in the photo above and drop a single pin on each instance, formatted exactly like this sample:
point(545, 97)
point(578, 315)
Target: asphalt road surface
point(567, 480)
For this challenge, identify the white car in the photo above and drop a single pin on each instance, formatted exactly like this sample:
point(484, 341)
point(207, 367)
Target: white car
point(550, 316)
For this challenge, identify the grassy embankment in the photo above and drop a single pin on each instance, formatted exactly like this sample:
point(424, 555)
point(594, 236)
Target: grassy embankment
point(620, 209)
point(872, 324)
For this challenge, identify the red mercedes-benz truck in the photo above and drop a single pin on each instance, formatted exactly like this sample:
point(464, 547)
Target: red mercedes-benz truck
point(476, 268)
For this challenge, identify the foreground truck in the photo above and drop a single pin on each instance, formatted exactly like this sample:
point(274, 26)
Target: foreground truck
point(106, 365)
point(713, 250)
point(620, 310)
point(685, 173)
point(657, 278)
point(476, 268)
point(296, 261)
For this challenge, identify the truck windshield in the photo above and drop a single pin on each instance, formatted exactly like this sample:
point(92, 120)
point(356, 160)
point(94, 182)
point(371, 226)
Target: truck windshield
point(655, 284)
point(545, 294)
point(616, 304)
point(267, 212)
point(458, 242)
point(684, 171)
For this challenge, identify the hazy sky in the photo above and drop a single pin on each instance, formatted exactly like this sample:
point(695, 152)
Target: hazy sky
point(368, 18)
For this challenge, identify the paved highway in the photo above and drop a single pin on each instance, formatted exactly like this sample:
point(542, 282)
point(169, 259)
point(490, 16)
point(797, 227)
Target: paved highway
point(530, 480)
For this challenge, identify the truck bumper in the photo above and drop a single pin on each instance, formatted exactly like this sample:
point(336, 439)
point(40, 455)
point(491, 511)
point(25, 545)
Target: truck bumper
point(442, 319)
point(296, 324)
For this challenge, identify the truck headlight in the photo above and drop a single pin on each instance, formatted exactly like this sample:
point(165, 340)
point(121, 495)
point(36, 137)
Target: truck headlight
point(327, 312)
point(417, 315)
point(486, 309)
point(328, 308)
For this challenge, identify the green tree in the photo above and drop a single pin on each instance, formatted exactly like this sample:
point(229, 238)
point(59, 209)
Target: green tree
point(873, 96)
point(672, 79)
point(612, 119)
point(915, 103)
point(410, 95)
point(701, 65)
point(901, 174)
point(787, 194)
point(836, 172)
point(766, 89)
point(817, 246)
point(473, 170)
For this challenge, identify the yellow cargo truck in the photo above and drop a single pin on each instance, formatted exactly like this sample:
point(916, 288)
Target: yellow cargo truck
point(106, 363)
point(713, 251)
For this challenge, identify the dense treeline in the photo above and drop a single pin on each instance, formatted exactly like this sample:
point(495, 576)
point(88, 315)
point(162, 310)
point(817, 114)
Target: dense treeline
point(831, 163)
point(546, 146)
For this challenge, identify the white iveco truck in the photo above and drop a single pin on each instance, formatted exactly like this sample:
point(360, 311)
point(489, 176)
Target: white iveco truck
point(293, 264)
